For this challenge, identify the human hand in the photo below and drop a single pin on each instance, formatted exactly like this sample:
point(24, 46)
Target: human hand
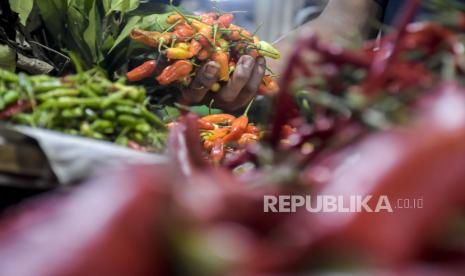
point(237, 93)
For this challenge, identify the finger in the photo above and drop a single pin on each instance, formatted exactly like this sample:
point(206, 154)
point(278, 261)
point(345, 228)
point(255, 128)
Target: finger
point(205, 78)
point(250, 90)
point(238, 80)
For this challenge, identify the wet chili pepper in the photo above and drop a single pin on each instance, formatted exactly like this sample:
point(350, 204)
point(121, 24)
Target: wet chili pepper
point(177, 71)
point(219, 118)
point(247, 139)
point(142, 71)
point(217, 133)
point(252, 129)
point(268, 87)
point(222, 58)
point(205, 125)
point(238, 127)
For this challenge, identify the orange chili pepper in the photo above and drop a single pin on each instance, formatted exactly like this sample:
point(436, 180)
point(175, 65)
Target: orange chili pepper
point(225, 20)
point(142, 71)
point(268, 87)
point(217, 151)
point(208, 19)
point(178, 53)
point(203, 54)
point(223, 60)
point(180, 69)
point(195, 47)
point(238, 128)
point(248, 138)
point(183, 32)
point(208, 145)
point(151, 39)
point(220, 118)
point(252, 129)
point(174, 18)
point(199, 26)
point(202, 124)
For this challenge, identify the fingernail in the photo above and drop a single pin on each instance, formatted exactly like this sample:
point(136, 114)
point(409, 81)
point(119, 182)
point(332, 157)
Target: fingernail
point(261, 61)
point(211, 71)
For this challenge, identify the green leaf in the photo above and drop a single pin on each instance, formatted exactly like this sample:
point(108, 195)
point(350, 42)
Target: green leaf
point(74, 40)
point(23, 8)
point(124, 6)
point(155, 22)
point(7, 58)
point(53, 14)
point(131, 24)
point(106, 6)
point(92, 34)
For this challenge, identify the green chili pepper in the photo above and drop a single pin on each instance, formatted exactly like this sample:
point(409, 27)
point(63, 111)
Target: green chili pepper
point(149, 116)
point(127, 120)
point(72, 113)
point(128, 110)
point(143, 128)
point(8, 76)
point(109, 114)
point(122, 140)
point(58, 93)
point(11, 97)
point(267, 50)
point(104, 126)
point(112, 98)
point(23, 118)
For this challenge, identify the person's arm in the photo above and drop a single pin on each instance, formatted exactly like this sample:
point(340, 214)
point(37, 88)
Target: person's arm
point(341, 20)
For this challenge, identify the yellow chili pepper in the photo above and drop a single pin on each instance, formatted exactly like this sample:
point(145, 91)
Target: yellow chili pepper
point(178, 53)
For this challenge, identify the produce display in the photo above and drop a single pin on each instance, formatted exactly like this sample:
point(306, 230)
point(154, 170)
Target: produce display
point(85, 104)
point(381, 119)
point(190, 41)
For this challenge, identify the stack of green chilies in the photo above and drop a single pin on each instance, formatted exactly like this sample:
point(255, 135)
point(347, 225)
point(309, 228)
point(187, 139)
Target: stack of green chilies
point(86, 104)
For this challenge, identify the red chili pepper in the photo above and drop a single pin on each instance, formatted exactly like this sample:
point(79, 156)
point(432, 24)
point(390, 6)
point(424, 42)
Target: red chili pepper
point(247, 139)
point(195, 47)
point(18, 107)
point(180, 69)
point(252, 129)
point(217, 133)
point(225, 20)
point(220, 118)
point(238, 127)
point(205, 125)
point(268, 86)
point(203, 54)
point(142, 71)
point(183, 32)
point(217, 151)
point(222, 58)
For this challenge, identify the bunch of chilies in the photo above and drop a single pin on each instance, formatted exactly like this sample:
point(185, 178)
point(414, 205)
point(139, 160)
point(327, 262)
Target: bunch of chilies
point(191, 41)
